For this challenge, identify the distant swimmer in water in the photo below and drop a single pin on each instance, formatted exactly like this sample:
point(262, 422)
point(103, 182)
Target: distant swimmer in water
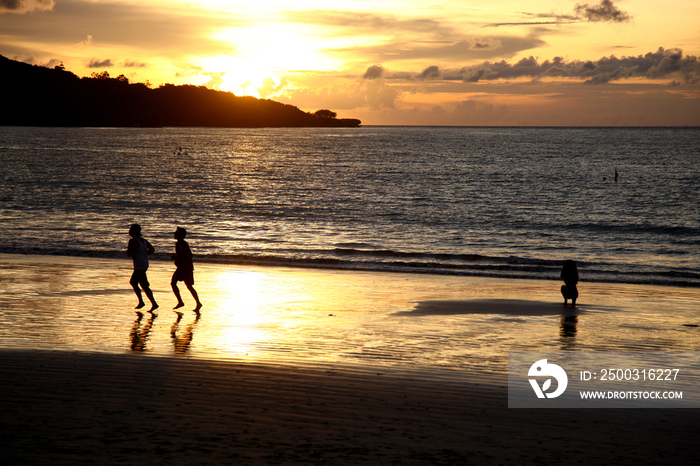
point(569, 273)
point(617, 175)
point(184, 269)
point(139, 249)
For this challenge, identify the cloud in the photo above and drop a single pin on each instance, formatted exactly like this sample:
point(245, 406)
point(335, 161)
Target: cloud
point(216, 79)
point(605, 12)
point(94, 63)
point(662, 64)
point(169, 33)
point(25, 6)
point(133, 64)
point(485, 44)
point(410, 39)
point(654, 65)
point(361, 93)
point(31, 60)
point(269, 88)
point(460, 49)
point(431, 72)
point(354, 22)
point(85, 43)
point(374, 72)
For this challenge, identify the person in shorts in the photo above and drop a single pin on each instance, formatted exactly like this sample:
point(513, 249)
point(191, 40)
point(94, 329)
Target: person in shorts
point(184, 269)
point(139, 249)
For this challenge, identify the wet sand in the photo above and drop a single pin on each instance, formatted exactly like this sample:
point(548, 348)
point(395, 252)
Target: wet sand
point(76, 408)
point(316, 367)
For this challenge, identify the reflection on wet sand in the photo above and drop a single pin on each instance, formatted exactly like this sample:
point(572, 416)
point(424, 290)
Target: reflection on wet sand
point(182, 338)
point(567, 331)
point(318, 317)
point(139, 332)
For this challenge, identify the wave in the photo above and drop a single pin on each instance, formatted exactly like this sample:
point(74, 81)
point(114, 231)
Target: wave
point(635, 228)
point(384, 260)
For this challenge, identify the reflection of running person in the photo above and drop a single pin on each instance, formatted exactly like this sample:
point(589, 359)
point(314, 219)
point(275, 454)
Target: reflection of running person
point(138, 250)
point(185, 269)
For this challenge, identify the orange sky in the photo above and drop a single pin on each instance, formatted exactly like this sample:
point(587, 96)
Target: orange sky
point(544, 62)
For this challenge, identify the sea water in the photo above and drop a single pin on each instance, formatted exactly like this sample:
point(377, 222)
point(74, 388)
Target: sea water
point(491, 202)
point(455, 212)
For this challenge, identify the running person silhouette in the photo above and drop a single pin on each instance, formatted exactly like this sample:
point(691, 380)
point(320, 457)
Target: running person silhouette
point(139, 249)
point(184, 269)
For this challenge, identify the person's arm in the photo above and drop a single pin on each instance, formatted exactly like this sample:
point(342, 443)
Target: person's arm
point(149, 248)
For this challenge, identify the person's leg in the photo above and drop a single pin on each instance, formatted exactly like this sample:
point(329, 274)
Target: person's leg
point(176, 290)
point(147, 289)
point(149, 293)
point(195, 296)
point(563, 293)
point(134, 282)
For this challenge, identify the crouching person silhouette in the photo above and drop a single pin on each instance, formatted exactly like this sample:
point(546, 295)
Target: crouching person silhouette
point(569, 273)
point(139, 249)
point(184, 269)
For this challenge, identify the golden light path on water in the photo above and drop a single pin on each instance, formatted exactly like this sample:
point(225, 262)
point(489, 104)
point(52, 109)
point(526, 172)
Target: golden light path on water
point(329, 318)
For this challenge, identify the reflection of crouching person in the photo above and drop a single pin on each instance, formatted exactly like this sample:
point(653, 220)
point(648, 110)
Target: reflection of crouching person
point(569, 273)
point(185, 269)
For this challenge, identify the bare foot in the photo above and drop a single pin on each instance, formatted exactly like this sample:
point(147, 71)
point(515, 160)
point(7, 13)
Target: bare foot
point(179, 305)
point(154, 307)
point(140, 306)
point(196, 309)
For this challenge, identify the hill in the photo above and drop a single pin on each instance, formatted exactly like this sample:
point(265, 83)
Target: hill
point(39, 96)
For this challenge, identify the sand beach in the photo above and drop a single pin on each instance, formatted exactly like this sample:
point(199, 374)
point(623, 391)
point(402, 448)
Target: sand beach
point(304, 366)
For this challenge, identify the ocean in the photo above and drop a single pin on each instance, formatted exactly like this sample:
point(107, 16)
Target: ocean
point(491, 202)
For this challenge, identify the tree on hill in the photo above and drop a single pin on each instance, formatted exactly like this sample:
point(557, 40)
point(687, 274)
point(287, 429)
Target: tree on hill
point(56, 97)
point(325, 114)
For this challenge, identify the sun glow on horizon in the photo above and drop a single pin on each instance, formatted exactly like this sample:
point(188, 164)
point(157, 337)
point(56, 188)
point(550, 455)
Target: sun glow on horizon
point(238, 75)
point(262, 54)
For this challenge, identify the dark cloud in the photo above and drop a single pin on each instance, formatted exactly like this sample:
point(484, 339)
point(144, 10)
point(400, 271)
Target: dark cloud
point(94, 63)
point(654, 65)
point(133, 64)
point(664, 63)
point(374, 72)
point(485, 44)
point(605, 12)
point(25, 6)
point(431, 72)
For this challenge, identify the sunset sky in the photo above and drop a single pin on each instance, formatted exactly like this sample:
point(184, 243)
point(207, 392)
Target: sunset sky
point(395, 62)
